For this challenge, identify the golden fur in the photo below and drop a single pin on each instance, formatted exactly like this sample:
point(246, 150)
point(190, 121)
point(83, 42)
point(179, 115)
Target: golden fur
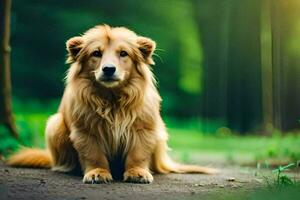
point(99, 122)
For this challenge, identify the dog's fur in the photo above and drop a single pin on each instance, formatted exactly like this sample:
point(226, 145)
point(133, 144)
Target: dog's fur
point(100, 122)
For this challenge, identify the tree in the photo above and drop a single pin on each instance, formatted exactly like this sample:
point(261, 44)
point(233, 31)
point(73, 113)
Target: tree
point(267, 79)
point(6, 116)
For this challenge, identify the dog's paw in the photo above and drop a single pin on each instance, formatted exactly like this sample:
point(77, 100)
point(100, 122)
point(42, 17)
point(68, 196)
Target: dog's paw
point(138, 175)
point(97, 175)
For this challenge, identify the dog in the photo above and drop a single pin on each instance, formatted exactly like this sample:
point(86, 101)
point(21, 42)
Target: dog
point(109, 121)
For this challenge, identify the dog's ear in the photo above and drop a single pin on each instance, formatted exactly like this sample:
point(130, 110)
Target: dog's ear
point(74, 45)
point(147, 47)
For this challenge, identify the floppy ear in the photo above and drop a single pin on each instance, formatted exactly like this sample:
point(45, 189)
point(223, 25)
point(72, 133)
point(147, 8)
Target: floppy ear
point(74, 45)
point(147, 47)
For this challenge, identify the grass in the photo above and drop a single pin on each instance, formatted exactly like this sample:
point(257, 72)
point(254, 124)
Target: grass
point(239, 149)
point(283, 180)
point(188, 139)
point(31, 117)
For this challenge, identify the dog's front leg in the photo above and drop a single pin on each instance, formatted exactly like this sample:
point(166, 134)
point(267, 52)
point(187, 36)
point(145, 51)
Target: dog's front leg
point(92, 159)
point(138, 159)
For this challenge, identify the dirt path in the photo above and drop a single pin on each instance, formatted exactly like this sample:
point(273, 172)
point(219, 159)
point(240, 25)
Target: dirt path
point(44, 184)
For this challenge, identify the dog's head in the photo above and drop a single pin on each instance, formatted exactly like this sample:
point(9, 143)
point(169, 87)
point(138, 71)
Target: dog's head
point(109, 56)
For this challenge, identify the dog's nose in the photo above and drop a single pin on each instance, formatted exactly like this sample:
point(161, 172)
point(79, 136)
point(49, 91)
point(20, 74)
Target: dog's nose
point(109, 70)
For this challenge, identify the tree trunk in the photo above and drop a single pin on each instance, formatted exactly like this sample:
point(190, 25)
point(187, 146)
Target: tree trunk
point(6, 116)
point(277, 63)
point(266, 67)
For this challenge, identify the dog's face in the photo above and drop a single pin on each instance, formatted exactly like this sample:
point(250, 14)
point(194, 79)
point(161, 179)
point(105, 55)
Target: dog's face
point(108, 55)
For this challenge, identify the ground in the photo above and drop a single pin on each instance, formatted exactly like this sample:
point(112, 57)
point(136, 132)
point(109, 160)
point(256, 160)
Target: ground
point(17, 183)
point(233, 182)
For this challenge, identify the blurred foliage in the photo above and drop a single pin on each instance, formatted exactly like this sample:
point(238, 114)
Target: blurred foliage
point(31, 117)
point(189, 144)
point(40, 30)
point(209, 54)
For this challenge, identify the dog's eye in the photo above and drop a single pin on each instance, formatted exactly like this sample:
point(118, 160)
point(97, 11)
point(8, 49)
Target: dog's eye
point(97, 53)
point(123, 54)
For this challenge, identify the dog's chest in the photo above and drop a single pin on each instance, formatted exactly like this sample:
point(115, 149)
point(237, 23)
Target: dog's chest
point(116, 134)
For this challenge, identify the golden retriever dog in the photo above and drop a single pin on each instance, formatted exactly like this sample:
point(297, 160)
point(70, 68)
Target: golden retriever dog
point(108, 122)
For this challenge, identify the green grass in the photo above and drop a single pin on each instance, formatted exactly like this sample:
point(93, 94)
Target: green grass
point(283, 180)
point(188, 139)
point(31, 117)
point(240, 149)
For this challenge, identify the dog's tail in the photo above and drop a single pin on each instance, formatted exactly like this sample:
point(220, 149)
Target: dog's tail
point(162, 163)
point(28, 157)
